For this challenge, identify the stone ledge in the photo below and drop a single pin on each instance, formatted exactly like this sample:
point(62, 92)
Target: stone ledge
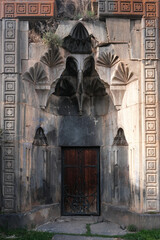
point(122, 216)
point(37, 216)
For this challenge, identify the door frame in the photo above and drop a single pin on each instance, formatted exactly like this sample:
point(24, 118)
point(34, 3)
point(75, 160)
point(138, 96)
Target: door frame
point(97, 148)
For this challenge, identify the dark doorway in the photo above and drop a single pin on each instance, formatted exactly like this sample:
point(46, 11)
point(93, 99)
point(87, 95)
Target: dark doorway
point(80, 181)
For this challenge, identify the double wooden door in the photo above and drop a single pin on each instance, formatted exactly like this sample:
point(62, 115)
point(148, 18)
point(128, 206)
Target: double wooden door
point(80, 181)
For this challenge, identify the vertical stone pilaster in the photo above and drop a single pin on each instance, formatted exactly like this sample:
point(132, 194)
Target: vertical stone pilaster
point(10, 77)
point(151, 122)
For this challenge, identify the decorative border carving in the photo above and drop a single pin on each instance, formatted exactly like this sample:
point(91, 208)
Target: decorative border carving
point(36, 8)
point(9, 83)
point(128, 7)
point(150, 95)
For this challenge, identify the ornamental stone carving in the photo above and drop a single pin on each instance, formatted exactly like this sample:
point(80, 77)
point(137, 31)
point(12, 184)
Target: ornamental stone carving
point(36, 74)
point(107, 60)
point(79, 40)
point(52, 58)
point(122, 75)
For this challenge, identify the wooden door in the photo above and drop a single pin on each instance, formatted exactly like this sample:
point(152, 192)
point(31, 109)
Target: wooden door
point(80, 181)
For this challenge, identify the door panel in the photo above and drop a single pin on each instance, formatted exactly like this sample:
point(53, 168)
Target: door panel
point(80, 181)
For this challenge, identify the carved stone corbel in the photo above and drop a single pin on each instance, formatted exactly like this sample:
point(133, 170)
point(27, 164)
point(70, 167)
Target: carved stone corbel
point(120, 80)
point(118, 94)
point(38, 77)
point(42, 92)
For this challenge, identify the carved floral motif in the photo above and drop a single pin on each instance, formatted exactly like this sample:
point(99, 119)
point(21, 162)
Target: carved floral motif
point(107, 60)
point(36, 74)
point(122, 74)
point(52, 58)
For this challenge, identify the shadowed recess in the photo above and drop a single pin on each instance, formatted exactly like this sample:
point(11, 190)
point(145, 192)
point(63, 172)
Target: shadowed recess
point(40, 138)
point(78, 41)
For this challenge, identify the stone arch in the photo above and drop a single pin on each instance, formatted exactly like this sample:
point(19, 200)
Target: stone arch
point(40, 138)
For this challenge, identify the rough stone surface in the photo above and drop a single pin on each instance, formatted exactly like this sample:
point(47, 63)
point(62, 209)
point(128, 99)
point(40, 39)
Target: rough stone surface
point(78, 226)
point(107, 228)
point(64, 227)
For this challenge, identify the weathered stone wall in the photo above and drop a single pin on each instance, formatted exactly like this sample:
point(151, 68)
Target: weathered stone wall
point(96, 127)
point(125, 55)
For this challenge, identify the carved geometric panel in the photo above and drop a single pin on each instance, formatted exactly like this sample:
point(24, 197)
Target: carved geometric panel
point(9, 178)
point(150, 73)
point(150, 99)
point(151, 205)
point(9, 86)
point(9, 112)
point(9, 204)
point(150, 45)
point(33, 8)
point(9, 59)
point(9, 46)
point(150, 125)
point(138, 7)
point(151, 191)
point(9, 98)
point(9, 137)
point(151, 138)
point(9, 165)
point(150, 32)
point(9, 152)
point(9, 125)
point(45, 8)
point(150, 87)
point(151, 151)
point(112, 6)
point(151, 178)
point(9, 8)
point(150, 23)
point(151, 165)
point(150, 112)
point(21, 8)
point(8, 190)
point(125, 6)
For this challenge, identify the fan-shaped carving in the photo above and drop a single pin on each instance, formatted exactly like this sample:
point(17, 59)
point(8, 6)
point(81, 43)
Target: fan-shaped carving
point(79, 40)
point(122, 74)
point(107, 60)
point(36, 74)
point(52, 58)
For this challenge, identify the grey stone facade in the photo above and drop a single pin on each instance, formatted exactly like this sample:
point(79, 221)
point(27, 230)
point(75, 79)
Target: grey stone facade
point(107, 98)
